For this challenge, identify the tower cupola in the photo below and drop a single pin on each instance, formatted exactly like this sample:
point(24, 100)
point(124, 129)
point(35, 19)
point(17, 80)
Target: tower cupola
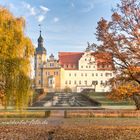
point(40, 49)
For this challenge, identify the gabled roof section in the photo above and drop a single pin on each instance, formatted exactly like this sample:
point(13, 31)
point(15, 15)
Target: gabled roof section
point(104, 60)
point(69, 60)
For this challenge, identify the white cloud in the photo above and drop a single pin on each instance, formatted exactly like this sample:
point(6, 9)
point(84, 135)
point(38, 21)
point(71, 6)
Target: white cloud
point(56, 19)
point(72, 5)
point(31, 9)
point(40, 18)
point(26, 5)
point(11, 6)
point(44, 9)
point(88, 8)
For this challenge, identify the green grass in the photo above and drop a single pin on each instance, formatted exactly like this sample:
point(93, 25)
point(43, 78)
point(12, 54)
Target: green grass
point(104, 100)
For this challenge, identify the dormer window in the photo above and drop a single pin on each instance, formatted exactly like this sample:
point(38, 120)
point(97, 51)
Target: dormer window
point(51, 64)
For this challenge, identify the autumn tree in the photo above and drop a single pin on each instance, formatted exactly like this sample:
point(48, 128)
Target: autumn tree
point(16, 51)
point(121, 37)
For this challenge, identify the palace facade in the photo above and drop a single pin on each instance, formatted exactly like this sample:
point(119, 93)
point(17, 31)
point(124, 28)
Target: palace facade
point(73, 70)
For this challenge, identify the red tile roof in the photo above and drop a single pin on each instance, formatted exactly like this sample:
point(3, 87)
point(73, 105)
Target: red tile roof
point(69, 60)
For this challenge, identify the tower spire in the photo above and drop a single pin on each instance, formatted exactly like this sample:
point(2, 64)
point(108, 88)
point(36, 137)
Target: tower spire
point(40, 28)
point(40, 48)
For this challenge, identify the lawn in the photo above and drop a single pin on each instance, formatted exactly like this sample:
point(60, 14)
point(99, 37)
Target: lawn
point(105, 101)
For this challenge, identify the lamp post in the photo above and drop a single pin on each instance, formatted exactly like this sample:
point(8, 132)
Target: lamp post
point(95, 83)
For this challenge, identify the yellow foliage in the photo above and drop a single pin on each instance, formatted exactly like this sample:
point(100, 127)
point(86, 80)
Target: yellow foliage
point(16, 51)
point(125, 90)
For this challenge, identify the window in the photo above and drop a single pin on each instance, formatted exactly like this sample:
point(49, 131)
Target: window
point(101, 74)
point(75, 82)
point(75, 74)
point(108, 74)
point(51, 64)
point(79, 82)
point(48, 73)
point(85, 59)
point(89, 66)
point(85, 82)
point(92, 74)
point(39, 82)
point(66, 82)
point(85, 74)
point(51, 81)
point(96, 74)
point(69, 74)
point(81, 74)
point(101, 83)
point(95, 82)
point(81, 66)
point(56, 73)
point(86, 66)
point(69, 82)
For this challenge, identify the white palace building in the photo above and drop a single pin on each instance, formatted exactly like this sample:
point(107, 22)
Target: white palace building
point(73, 70)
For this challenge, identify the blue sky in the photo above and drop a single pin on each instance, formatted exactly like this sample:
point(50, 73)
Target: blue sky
point(67, 25)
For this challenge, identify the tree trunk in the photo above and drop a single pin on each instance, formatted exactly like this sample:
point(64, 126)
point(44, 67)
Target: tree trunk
point(136, 98)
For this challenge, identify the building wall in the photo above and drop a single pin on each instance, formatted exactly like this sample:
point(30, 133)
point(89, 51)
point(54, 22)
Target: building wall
point(48, 73)
point(87, 62)
point(45, 69)
point(76, 79)
point(85, 75)
point(39, 60)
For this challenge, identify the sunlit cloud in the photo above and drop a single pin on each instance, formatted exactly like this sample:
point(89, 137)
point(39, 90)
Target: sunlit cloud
point(44, 9)
point(11, 6)
point(31, 9)
point(72, 5)
point(88, 8)
point(56, 19)
point(40, 18)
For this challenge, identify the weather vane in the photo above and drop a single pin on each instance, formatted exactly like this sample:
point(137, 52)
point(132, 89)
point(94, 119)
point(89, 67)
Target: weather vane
point(40, 27)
